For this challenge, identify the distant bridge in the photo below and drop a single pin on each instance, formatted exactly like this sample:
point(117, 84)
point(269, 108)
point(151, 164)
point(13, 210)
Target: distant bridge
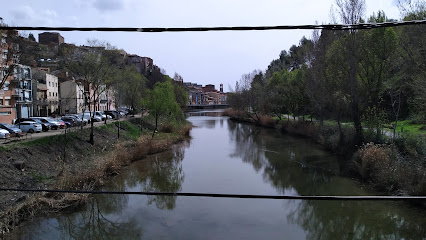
point(207, 106)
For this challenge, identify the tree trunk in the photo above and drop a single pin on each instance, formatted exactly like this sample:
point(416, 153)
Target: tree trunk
point(118, 129)
point(341, 136)
point(92, 141)
point(353, 84)
point(156, 126)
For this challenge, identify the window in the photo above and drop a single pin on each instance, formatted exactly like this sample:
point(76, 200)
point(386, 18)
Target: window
point(27, 73)
point(49, 84)
point(50, 94)
point(56, 84)
point(1, 102)
point(7, 102)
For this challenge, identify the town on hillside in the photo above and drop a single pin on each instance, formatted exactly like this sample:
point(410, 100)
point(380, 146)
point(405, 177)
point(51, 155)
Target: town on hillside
point(40, 85)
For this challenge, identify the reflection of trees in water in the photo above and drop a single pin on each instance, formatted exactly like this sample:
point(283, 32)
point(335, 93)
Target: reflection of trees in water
point(307, 172)
point(165, 175)
point(207, 123)
point(355, 220)
point(160, 173)
point(98, 218)
point(247, 145)
point(93, 221)
point(94, 224)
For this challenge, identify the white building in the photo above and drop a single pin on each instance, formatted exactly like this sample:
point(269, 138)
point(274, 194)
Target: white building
point(72, 98)
point(47, 101)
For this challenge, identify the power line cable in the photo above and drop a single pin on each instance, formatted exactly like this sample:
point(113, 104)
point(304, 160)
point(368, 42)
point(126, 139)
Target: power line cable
point(241, 28)
point(221, 195)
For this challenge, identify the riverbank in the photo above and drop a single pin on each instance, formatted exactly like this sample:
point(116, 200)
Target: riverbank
point(397, 168)
point(71, 162)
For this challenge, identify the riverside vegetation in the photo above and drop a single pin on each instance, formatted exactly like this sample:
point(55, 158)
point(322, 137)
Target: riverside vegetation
point(71, 162)
point(364, 88)
point(394, 167)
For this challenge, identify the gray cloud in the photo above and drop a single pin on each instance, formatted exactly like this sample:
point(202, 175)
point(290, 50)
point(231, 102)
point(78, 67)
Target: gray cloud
point(108, 5)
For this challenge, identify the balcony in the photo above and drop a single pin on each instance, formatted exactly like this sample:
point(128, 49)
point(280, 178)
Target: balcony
point(41, 87)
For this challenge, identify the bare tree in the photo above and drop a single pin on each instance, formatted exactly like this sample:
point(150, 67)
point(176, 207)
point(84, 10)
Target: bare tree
point(94, 70)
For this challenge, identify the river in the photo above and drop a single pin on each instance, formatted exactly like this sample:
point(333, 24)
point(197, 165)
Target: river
point(227, 157)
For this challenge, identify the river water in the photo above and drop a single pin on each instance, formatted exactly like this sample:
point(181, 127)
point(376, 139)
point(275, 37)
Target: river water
point(228, 157)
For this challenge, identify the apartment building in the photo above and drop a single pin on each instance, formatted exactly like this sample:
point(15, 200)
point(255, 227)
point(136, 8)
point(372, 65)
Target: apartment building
point(22, 91)
point(72, 97)
point(45, 92)
point(143, 64)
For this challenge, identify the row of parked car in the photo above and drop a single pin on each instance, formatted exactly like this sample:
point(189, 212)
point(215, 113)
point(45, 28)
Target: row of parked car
point(38, 124)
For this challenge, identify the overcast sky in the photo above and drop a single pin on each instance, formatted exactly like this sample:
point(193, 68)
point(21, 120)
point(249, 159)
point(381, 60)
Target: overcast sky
point(203, 57)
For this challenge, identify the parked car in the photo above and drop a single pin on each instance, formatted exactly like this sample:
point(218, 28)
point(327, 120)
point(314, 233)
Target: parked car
point(46, 121)
point(45, 126)
point(4, 134)
point(107, 116)
point(30, 127)
point(84, 116)
point(88, 115)
point(101, 115)
point(78, 119)
point(61, 123)
point(69, 121)
point(126, 111)
point(113, 114)
point(12, 129)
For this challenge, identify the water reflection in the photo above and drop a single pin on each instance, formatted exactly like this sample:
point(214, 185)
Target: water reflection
point(96, 223)
point(358, 220)
point(248, 145)
point(296, 167)
point(285, 163)
point(205, 113)
point(163, 174)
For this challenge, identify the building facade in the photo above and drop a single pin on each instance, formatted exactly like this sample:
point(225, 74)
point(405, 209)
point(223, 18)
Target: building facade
point(143, 64)
point(50, 37)
point(46, 100)
point(72, 98)
point(22, 91)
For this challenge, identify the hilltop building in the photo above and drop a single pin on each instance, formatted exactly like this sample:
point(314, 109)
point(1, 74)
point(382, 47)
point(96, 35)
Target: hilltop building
point(50, 37)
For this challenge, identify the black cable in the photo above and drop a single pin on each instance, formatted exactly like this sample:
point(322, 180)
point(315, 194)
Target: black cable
point(204, 29)
point(220, 195)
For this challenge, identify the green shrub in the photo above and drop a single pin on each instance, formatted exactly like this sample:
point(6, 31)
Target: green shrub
point(412, 144)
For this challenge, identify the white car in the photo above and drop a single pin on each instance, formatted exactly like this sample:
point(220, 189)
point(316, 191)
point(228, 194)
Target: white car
point(30, 127)
point(4, 134)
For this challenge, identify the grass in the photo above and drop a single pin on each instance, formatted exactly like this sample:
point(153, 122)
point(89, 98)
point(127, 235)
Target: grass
point(3, 149)
point(50, 139)
point(407, 126)
point(39, 177)
point(127, 129)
